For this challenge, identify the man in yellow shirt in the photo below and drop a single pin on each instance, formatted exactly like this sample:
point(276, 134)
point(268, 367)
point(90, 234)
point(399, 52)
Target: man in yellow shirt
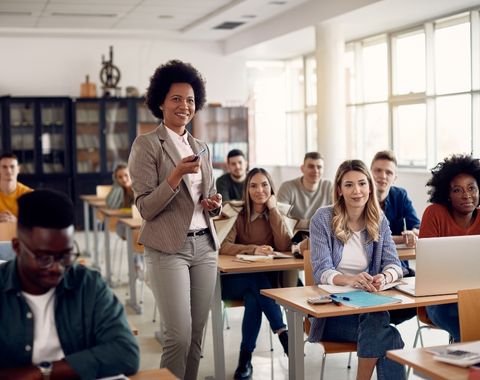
point(10, 188)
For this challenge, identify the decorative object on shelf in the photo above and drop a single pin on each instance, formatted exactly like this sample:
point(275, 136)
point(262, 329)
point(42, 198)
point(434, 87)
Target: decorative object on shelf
point(132, 92)
point(110, 76)
point(88, 89)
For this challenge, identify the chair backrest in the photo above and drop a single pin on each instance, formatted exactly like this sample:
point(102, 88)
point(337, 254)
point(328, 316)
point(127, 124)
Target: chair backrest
point(468, 312)
point(8, 230)
point(135, 213)
point(103, 190)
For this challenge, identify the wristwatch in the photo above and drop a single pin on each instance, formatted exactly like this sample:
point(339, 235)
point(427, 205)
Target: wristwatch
point(46, 369)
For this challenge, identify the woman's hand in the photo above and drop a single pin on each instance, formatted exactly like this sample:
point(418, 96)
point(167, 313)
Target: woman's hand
point(186, 166)
point(263, 250)
point(379, 281)
point(410, 238)
point(212, 203)
point(271, 202)
point(363, 281)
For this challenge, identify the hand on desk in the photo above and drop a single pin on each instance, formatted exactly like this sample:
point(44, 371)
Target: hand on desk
point(410, 238)
point(263, 250)
point(364, 281)
point(6, 216)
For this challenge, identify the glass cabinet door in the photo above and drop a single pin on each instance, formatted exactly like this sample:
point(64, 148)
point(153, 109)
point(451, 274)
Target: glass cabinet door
point(88, 137)
point(22, 132)
point(116, 132)
point(146, 122)
point(53, 137)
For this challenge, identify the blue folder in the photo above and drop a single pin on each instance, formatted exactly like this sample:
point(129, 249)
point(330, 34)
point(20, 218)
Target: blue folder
point(360, 298)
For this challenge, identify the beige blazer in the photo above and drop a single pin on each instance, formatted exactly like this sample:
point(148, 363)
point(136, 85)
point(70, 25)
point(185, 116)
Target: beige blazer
point(167, 213)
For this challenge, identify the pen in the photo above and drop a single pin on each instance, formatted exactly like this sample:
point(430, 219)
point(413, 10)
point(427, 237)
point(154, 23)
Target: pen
point(336, 302)
point(339, 297)
point(405, 230)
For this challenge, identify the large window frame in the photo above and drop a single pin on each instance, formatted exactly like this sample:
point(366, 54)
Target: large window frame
point(428, 96)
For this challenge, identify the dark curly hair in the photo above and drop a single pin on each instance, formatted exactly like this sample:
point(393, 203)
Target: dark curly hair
point(446, 171)
point(174, 71)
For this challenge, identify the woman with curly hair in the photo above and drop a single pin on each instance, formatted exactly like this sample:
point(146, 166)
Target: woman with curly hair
point(174, 192)
point(454, 212)
point(351, 244)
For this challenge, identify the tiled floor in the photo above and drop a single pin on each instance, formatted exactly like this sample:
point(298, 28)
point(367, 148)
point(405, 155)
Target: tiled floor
point(266, 364)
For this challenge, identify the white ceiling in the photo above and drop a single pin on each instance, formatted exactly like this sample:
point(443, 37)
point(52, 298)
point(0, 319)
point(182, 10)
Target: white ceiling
point(271, 29)
point(190, 19)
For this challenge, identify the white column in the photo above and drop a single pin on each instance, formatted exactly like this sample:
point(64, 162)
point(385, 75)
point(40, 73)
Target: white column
point(329, 52)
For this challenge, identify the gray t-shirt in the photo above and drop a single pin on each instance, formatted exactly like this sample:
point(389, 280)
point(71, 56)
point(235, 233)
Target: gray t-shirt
point(304, 202)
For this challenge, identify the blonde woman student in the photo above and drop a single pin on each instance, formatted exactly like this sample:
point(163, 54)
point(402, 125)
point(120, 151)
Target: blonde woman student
point(351, 244)
point(258, 230)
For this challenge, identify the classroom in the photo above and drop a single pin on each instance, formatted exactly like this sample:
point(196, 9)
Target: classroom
point(349, 79)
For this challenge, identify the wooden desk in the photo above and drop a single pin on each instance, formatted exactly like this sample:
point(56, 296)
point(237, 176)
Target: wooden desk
point(8, 230)
point(422, 361)
point(109, 213)
point(154, 374)
point(86, 198)
point(294, 300)
point(406, 253)
point(132, 225)
point(226, 266)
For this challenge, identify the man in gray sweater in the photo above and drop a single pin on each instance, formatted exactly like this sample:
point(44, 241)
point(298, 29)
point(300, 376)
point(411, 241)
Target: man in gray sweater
point(308, 192)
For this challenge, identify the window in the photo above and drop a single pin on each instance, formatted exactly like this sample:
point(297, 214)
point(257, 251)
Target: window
point(421, 106)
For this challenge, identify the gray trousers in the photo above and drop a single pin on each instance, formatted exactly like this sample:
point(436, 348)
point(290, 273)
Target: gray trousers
point(183, 286)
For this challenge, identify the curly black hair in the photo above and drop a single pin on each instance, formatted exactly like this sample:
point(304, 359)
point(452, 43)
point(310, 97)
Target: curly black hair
point(165, 75)
point(446, 171)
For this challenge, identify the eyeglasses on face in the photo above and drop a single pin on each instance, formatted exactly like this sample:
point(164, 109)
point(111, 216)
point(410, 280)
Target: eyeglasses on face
point(47, 261)
point(470, 190)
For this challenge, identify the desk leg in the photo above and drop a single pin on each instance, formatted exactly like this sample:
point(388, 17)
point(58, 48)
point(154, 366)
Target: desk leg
point(217, 332)
point(108, 263)
point(132, 301)
point(86, 228)
point(96, 258)
point(296, 370)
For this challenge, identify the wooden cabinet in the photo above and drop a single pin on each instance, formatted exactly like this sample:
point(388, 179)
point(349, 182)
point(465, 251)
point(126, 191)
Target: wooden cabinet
point(223, 129)
point(37, 130)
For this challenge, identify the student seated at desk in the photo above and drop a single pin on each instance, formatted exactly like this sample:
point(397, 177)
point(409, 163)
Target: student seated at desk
point(121, 194)
point(58, 320)
point(454, 211)
point(351, 244)
point(258, 230)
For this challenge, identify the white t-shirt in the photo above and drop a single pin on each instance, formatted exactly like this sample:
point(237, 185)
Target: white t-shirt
point(46, 345)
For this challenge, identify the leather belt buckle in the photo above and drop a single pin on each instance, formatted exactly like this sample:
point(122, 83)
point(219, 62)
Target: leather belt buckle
point(198, 233)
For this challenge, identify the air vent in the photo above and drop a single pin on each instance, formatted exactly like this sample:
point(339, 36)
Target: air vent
point(15, 13)
point(277, 2)
point(72, 14)
point(229, 25)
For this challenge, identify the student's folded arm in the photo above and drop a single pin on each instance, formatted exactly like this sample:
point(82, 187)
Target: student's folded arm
point(229, 247)
point(388, 249)
point(115, 350)
point(281, 237)
point(321, 247)
point(152, 195)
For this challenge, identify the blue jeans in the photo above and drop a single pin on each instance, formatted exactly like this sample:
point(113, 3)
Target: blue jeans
point(374, 336)
point(446, 317)
point(247, 287)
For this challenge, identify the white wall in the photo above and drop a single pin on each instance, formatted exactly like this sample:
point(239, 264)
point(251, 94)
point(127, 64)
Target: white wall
point(56, 66)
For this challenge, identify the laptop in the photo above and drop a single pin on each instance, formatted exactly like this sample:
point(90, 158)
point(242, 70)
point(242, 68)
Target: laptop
point(444, 265)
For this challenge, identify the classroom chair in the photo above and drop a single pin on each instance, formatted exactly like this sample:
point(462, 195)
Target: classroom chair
point(328, 346)
point(468, 312)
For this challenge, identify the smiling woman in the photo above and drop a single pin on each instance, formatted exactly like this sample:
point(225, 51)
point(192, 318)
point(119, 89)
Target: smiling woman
point(175, 194)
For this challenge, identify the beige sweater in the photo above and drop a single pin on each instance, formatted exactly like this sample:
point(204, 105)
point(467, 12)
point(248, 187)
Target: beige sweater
point(271, 232)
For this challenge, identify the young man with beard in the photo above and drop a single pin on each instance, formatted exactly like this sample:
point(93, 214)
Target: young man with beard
point(230, 185)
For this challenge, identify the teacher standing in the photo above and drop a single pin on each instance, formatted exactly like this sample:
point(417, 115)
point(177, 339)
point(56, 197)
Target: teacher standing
point(174, 192)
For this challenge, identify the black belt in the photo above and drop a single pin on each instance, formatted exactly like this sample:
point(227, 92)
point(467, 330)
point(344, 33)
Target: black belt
point(198, 233)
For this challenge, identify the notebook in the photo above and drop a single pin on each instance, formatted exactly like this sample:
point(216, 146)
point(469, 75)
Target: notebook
point(261, 258)
point(361, 298)
point(444, 265)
